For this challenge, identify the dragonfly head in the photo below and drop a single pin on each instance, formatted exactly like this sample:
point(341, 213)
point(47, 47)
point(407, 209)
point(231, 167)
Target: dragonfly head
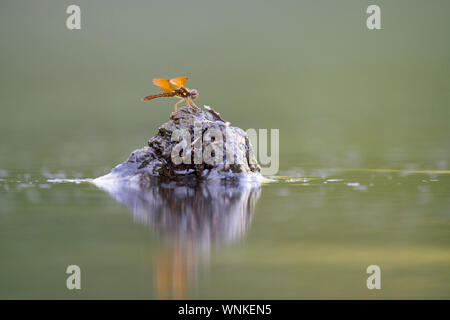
point(194, 94)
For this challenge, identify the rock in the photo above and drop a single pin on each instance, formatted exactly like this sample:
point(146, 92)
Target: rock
point(193, 144)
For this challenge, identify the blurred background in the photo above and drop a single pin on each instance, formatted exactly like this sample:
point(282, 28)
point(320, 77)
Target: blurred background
point(345, 99)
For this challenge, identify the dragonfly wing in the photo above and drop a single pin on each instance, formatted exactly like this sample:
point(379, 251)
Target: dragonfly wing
point(179, 82)
point(164, 85)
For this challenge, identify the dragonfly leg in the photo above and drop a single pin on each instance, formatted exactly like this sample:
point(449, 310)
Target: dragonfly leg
point(190, 99)
point(176, 104)
point(187, 102)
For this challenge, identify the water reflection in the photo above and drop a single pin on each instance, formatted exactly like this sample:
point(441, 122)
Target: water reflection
point(192, 218)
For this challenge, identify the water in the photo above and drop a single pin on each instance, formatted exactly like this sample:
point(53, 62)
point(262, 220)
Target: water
point(296, 237)
point(364, 150)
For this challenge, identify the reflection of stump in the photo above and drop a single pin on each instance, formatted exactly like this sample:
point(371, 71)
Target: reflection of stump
point(204, 213)
point(187, 135)
point(191, 217)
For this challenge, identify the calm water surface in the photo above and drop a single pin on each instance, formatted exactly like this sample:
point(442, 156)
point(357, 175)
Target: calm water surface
point(311, 237)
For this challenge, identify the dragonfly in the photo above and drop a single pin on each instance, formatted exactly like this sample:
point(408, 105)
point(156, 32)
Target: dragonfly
point(174, 88)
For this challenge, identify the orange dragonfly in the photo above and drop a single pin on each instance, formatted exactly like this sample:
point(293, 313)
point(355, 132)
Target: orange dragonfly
point(174, 88)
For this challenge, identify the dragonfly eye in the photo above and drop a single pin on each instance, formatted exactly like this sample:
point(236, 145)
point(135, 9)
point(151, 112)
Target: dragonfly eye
point(194, 94)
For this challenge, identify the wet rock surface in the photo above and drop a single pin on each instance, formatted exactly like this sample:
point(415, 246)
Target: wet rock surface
point(204, 146)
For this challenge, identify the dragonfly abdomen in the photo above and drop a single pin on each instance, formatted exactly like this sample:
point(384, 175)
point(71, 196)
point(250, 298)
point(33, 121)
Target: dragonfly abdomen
point(159, 95)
